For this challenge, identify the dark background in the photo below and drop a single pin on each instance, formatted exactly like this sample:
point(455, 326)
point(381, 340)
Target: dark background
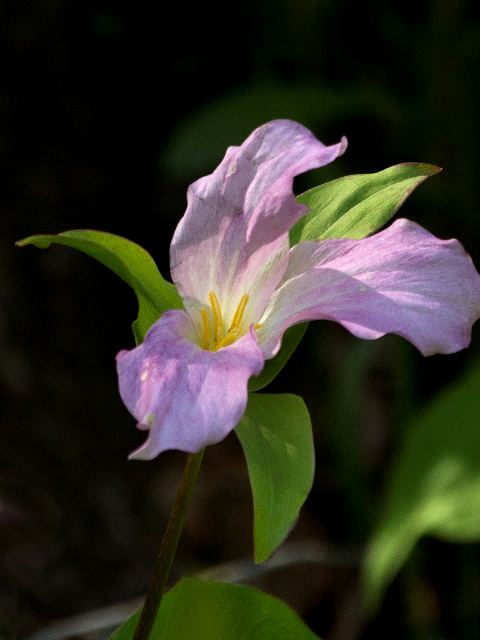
point(108, 111)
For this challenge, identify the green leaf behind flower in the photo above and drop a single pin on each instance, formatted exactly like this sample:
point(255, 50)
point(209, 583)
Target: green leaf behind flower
point(356, 206)
point(434, 487)
point(276, 436)
point(272, 368)
point(219, 611)
point(201, 137)
point(129, 261)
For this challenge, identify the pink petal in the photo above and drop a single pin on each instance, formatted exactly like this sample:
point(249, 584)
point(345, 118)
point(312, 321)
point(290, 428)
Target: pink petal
point(402, 280)
point(184, 396)
point(233, 238)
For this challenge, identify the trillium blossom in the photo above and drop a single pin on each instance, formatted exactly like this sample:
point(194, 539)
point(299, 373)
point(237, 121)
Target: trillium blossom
point(242, 286)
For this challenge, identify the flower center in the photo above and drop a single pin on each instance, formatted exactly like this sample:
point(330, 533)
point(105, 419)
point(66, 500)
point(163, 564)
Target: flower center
point(214, 334)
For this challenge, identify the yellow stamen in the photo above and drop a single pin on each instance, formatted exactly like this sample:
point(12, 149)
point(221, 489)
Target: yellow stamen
point(228, 339)
point(238, 315)
point(217, 317)
point(216, 337)
point(257, 326)
point(206, 329)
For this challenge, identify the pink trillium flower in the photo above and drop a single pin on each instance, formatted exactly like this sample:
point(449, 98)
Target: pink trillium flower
point(243, 285)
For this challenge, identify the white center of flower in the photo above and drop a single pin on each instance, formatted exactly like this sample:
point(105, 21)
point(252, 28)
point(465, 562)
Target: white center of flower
point(214, 332)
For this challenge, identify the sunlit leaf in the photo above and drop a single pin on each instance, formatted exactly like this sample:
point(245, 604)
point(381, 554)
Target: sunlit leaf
point(129, 261)
point(355, 206)
point(434, 487)
point(199, 610)
point(276, 436)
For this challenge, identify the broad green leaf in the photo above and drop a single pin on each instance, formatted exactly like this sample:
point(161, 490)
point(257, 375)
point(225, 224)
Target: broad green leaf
point(355, 206)
point(129, 261)
point(272, 368)
point(276, 436)
point(220, 611)
point(434, 487)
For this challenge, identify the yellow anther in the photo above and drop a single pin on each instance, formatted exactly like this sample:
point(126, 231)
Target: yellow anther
point(238, 315)
point(216, 337)
point(228, 339)
point(257, 326)
point(217, 317)
point(206, 329)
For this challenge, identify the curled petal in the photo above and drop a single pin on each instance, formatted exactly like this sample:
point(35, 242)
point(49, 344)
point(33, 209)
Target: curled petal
point(402, 280)
point(235, 229)
point(185, 397)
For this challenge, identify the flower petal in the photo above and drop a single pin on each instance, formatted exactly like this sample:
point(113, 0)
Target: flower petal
point(235, 229)
point(184, 396)
point(402, 280)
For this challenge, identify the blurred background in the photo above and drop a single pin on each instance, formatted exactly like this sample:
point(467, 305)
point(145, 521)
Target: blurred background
point(108, 111)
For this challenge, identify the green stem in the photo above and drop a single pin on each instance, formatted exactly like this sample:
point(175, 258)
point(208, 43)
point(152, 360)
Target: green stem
point(168, 547)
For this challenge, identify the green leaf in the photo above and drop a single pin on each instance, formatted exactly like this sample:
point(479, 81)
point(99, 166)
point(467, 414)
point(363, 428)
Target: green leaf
point(434, 487)
point(219, 611)
point(129, 261)
point(272, 368)
point(276, 436)
point(355, 206)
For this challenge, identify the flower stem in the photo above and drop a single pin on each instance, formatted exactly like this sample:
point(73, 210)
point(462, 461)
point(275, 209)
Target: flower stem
point(168, 547)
